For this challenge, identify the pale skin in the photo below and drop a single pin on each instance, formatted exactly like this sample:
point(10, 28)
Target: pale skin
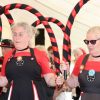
point(21, 40)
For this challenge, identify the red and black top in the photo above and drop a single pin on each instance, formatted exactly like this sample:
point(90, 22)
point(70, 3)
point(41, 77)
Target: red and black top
point(90, 89)
point(26, 81)
point(89, 65)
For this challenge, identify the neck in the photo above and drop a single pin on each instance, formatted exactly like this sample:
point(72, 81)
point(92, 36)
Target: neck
point(96, 56)
point(23, 49)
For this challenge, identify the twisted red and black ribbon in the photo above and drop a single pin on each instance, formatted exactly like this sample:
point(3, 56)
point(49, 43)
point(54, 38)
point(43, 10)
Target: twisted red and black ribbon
point(0, 23)
point(53, 20)
point(66, 41)
point(58, 23)
point(43, 20)
point(9, 18)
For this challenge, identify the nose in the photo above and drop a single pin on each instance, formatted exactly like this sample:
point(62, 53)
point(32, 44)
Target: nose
point(16, 37)
point(90, 46)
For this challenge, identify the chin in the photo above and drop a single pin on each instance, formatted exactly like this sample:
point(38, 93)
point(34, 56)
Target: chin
point(93, 53)
point(18, 47)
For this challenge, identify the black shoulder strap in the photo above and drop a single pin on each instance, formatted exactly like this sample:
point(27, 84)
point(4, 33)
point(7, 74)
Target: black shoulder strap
point(85, 60)
point(82, 66)
point(32, 52)
point(13, 53)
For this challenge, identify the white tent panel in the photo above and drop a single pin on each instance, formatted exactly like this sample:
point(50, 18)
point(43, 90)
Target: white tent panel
point(87, 17)
point(60, 9)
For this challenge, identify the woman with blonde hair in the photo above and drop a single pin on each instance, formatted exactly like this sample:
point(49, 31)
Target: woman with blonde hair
point(24, 67)
point(86, 73)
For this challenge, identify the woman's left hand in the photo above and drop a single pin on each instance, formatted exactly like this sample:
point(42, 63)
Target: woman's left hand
point(60, 80)
point(64, 66)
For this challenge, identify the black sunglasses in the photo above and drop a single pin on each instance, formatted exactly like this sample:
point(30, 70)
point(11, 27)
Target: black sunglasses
point(93, 42)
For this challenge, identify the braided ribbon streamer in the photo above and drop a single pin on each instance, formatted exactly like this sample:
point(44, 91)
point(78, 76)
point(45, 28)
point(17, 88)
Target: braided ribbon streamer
point(58, 23)
point(0, 24)
point(8, 16)
point(44, 22)
point(66, 40)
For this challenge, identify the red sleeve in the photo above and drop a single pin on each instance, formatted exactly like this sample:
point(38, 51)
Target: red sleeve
point(4, 62)
point(43, 61)
point(78, 63)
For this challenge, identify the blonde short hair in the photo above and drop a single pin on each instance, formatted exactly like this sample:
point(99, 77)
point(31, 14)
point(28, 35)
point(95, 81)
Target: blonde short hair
point(94, 30)
point(31, 31)
point(28, 28)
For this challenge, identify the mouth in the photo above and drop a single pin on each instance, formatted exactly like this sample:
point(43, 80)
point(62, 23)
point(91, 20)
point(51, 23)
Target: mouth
point(90, 48)
point(17, 42)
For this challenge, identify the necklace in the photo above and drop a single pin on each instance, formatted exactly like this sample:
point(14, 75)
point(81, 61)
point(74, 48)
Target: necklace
point(23, 49)
point(96, 56)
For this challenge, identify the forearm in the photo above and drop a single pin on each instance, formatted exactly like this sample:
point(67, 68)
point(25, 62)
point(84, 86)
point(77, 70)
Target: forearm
point(50, 79)
point(3, 81)
point(53, 80)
